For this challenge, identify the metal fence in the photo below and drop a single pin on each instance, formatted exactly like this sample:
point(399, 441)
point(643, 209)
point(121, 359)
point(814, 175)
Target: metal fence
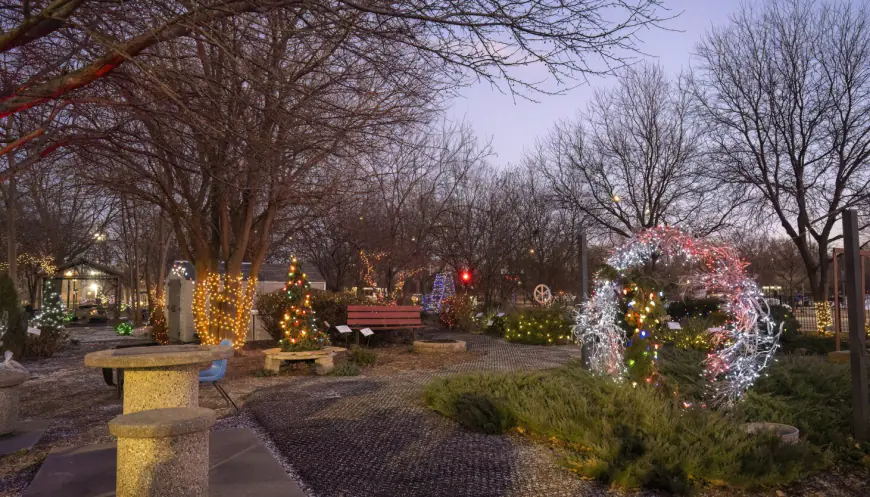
point(804, 310)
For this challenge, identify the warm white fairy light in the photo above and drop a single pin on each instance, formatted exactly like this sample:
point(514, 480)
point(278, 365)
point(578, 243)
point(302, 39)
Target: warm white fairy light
point(746, 344)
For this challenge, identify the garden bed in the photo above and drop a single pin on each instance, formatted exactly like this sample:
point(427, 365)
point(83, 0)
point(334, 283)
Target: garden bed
point(645, 437)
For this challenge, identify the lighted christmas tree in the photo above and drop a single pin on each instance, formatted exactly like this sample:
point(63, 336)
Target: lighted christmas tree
point(644, 318)
point(52, 316)
point(299, 324)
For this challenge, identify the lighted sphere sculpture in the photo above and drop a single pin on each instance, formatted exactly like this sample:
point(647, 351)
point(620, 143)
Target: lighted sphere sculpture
point(744, 346)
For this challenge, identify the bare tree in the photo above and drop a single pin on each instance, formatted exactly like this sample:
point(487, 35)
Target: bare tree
point(635, 160)
point(52, 48)
point(785, 90)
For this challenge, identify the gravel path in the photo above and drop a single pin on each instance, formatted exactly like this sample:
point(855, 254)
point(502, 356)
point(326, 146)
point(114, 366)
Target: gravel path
point(373, 436)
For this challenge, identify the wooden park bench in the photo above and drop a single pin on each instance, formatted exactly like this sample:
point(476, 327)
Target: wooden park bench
point(380, 317)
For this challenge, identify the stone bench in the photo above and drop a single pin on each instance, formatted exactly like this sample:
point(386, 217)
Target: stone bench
point(9, 399)
point(323, 358)
point(163, 452)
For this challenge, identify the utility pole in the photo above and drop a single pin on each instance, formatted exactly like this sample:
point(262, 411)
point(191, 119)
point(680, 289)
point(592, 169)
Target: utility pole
point(857, 338)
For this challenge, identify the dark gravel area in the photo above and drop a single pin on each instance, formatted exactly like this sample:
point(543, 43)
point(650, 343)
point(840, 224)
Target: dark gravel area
point(373, 436)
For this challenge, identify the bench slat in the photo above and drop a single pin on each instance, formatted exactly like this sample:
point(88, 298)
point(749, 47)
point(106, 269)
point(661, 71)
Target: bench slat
point(376, 327)
point(384, 321)
point(384, 308)
point(392, 315)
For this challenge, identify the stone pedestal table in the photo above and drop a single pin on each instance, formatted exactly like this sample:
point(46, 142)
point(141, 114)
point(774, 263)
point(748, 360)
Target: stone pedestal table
point(159, 377)
point(9, 396)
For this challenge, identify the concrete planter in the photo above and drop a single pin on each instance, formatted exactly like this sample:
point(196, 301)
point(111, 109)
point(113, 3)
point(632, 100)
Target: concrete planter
point(163, 452)
point(788, 434)
point(9, 399)
point(439, 346)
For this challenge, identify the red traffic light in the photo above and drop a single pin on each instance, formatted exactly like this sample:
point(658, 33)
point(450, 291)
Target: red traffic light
point(465, 276)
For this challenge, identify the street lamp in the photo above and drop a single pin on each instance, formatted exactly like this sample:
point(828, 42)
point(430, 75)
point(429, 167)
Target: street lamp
point(68, 274)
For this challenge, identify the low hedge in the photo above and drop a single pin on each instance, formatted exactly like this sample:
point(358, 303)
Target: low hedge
point(539, 327)
point(642, 437)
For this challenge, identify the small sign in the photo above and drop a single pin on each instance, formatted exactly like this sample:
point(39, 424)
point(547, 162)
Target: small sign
point(499, 315)
point(34, 331)
point(674, 326)
point(366, 332)
point(343, 328)
point(489, 323)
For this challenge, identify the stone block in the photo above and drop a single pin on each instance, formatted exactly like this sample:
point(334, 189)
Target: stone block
point(324, 365)
point(163, 452)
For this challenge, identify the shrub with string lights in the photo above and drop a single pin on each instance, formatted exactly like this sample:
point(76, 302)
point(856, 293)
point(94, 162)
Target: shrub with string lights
point(743, 347)
point(539, 327)
point(52, 316)
point(300, 328)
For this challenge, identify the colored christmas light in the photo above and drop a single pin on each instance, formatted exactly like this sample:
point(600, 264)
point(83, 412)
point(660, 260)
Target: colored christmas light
point(442, 289)
point(299, 324)
point(744, 346)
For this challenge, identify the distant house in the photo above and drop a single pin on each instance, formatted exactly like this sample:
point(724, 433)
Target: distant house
point(179, 295)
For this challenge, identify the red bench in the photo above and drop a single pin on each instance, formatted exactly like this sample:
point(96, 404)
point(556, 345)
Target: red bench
point(384, 317)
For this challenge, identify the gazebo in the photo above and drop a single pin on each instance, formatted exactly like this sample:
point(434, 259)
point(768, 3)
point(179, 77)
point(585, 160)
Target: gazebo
point(84, 282)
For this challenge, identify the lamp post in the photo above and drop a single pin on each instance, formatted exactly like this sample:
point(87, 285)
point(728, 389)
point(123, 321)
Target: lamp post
point(68, 274)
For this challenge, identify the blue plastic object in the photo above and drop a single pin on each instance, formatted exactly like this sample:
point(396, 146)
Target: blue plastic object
point(216, 372)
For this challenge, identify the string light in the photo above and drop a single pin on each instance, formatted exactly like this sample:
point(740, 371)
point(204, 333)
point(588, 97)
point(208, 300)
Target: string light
point(369, 275)
point(39, 264)
point(823, 317)
point(300, 327)
point(222, 306)
point(744, 345)
point(159, 329)
point(442, 289)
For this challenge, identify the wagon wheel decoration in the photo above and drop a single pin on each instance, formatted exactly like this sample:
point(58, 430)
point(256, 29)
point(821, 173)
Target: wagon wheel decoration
point(543, 295)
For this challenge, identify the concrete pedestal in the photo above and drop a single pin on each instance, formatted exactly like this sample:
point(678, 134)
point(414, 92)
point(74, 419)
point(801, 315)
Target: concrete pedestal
point(9, 399)
point(159, 388)
point(163, 452)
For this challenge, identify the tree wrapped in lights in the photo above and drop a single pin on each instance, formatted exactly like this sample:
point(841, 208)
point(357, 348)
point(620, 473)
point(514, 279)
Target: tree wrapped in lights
point(222, 307)
point(744, 345)
point(299, 324)
point(52, 317)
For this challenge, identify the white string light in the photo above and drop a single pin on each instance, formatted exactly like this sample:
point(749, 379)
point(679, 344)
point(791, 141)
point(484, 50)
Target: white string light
point(745, 344)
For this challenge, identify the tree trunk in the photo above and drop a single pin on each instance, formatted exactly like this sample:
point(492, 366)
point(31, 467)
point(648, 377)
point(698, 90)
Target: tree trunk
point(11, 230)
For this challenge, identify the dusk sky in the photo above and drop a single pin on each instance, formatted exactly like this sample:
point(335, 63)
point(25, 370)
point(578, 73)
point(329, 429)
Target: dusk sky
point(513, 124)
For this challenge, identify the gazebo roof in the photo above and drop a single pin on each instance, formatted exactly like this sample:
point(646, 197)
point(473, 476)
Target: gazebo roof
point(61, 269)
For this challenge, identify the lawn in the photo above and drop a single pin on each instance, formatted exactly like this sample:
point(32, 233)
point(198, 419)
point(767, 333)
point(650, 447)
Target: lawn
point(645, 437)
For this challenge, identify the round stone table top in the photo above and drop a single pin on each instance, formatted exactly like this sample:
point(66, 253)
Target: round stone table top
point(155, 357)
point(12, 378)
point(303, 354)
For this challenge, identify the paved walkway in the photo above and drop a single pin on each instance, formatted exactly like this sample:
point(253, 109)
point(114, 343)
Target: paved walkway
point(374, 436)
